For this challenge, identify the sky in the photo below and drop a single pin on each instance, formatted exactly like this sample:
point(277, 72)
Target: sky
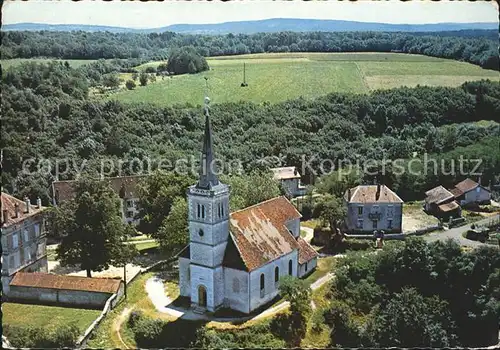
point(136, 14)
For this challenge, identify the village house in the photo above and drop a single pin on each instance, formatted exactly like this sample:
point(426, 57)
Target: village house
point(235, 260)
point(372, 208)
point(24, 242)
point(289, 179)
point(470, 192)
point(441, 203)
point(124, 186)
point(47, 288)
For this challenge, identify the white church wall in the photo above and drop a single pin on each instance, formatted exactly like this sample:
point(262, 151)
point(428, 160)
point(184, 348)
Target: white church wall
point(307, 268)
point(206, 255)
point(236, 289)
point(208, 278)
point(294, 226)
point(184, 280)
point(271, 289)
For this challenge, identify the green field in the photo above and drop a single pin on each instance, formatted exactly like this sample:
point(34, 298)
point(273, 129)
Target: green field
point(6, 64)
point(282, 76)
point(47, 316)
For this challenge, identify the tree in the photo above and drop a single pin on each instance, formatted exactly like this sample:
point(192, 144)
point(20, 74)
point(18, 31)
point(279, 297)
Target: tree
point(173, 234)
point(186, 60)
point(407, 319)
point(93, 231)
point(298, 294)
point(143, 79)
point(157, 194)
point(130, 84)
point(111, 81)
point(344, 332)
point(332, 211)
point(252, 188)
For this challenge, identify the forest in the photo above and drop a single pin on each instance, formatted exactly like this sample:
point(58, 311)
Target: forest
point(48, 117)
point(473, 46)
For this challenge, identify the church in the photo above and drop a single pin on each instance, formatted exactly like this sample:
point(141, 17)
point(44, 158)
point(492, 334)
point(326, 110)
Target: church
point(235, 260)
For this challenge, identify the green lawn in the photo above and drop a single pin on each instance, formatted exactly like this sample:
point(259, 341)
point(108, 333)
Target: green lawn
point(283, 76)
point(47, 316)
point(145, 245)
point(6, 64)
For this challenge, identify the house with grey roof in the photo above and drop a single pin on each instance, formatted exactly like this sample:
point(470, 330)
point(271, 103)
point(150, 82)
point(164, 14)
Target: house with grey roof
point(373, 208)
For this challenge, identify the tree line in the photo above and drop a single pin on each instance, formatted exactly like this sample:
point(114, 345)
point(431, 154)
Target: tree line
point(469, 46)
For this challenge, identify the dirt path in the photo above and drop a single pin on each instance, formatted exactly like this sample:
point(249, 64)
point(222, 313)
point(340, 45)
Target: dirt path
point(117, 325)
point(310, 233)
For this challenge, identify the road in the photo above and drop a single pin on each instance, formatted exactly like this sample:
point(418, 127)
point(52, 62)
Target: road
point(456, 233)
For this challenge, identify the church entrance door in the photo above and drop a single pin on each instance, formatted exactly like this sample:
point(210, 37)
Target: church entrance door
point(202, 296)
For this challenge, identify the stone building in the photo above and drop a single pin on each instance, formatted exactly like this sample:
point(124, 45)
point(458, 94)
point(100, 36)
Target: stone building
point(441, 203)
point(289, 179)
point(235, 260)
point(372, 208)
point(46, 288)
point(470, 192)
point(24, 243)
point(124, 186)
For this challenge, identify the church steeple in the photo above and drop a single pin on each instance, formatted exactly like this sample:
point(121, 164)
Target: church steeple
point(208, 169)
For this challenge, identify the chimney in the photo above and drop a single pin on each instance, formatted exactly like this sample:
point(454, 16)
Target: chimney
point(16, 210)
point(5, 215)
point(479, 180)
point(27, 203)
point(377, 195)
point(349, 195)
point(39, 203)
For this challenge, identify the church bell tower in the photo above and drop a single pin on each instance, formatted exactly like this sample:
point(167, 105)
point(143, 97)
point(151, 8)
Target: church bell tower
point(208, 221)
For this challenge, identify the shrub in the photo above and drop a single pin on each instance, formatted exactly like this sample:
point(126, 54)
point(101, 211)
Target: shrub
point(130, 84)
point(37, 337)
point(150, 69)
point(143, 79)
point(134, 317)
point(148, 332)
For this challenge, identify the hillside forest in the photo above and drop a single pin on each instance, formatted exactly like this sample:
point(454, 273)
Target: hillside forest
point(479, 47)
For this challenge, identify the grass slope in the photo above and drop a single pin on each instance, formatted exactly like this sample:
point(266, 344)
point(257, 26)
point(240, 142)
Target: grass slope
point(282, 76)
point(47, 316)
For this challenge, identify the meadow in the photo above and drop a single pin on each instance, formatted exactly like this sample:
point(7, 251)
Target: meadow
point(49, 317)
point(282, 76)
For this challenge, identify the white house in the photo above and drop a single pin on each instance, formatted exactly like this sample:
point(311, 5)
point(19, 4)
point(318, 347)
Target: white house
point(235, 260)
point(371, 208)
point(24, 243)
point(289, 179)
point(469, 191)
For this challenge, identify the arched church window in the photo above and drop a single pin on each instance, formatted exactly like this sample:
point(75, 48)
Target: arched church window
point(276, 275)
point(203, 211)
point(219, 212)
point(201, 233)
point(290, 267)
point(198, 212)
point(236, 285)
point(262, 285)
point(222, 209)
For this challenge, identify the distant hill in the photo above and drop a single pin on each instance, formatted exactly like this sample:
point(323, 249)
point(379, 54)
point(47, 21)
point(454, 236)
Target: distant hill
point(267, 25)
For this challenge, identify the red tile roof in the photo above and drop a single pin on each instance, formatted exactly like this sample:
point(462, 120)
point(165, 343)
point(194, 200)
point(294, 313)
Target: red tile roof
point(368, 194)
point(260, 234)
point(64, 282)
point(8, 203)
point(438, 195)
point(456, 192)
point(126, 185)
point(466, 185)
point(306, 252)
point(448, 206)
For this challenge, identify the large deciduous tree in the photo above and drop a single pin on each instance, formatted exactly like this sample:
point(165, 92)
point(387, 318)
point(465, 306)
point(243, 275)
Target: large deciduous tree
point(91, 226)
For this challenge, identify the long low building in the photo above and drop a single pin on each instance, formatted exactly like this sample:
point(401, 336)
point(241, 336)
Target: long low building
point(46, 288)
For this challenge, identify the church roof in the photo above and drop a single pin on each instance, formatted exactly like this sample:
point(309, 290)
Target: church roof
point(8, 204)
point(260, 234)
point(306, 252)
